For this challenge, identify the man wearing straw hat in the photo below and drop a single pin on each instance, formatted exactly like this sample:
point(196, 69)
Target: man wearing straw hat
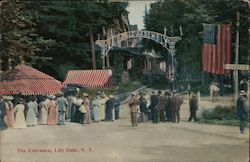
point(133, 109)
point(242, 110)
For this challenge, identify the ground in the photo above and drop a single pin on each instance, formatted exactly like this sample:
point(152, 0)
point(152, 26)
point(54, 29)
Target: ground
point(120, 142)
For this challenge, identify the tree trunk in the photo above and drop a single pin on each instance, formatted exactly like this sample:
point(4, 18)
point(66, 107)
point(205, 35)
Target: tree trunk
point(92, 44)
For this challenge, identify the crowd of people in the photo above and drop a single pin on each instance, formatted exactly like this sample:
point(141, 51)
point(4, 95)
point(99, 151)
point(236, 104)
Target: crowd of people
point(144, 106)
point(164, 107)
point(56, 109)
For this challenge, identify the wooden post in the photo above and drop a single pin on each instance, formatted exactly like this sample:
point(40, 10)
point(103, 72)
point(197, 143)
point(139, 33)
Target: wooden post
point(92, 44)
point(236, 82)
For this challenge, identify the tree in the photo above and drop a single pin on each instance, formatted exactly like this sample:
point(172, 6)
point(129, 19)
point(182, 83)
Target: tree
point(55, 36)
point(190, 15)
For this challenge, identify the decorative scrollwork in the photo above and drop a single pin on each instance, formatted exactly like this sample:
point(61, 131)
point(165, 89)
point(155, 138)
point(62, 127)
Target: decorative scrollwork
point(116, 40)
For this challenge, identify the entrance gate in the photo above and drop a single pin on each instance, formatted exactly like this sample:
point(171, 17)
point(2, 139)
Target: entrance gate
point(115, 41)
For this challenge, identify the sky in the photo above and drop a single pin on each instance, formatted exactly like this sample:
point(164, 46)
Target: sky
point(136, 11)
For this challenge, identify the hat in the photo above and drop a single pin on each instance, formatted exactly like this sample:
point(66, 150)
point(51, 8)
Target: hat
point(20, 99)
point(8, 97)
point(59, 93)
point(99, 92)
point(167, 92)
point(52, 96)
point(85, 94)
point(133, 93)
point(111, 96)
point(243, 93)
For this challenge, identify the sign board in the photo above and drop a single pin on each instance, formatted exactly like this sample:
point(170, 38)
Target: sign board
point(236, 66)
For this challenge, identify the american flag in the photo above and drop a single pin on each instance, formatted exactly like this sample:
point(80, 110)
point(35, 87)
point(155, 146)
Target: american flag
point(216, 48)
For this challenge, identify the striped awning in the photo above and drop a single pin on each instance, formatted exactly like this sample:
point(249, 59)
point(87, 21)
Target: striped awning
point(90, 78)
point(26, 80)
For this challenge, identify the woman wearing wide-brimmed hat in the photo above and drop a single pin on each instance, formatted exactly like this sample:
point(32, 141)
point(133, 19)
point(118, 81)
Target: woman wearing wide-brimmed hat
point(9, 111)
point(31, 117)
point(52, 110)
point(86, 116)
point(43, 113)
point(19, 117)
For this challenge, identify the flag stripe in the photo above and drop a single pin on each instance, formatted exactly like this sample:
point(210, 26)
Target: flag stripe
point(204, 56)
point(223, 41)
point(214, 58)
point(210, 57)
point(218, 48)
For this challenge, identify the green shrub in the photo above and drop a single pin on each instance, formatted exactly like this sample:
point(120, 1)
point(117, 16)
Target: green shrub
point(219, 113)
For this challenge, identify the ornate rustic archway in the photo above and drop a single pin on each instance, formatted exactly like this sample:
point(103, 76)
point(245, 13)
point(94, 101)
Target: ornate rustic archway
point(115, 41)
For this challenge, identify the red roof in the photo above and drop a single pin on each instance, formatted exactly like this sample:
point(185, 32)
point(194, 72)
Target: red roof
point(89, 78)
point(26, 80)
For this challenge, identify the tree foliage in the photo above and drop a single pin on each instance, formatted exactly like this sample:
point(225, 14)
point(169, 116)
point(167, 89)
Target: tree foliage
point(54, 36)
point(190, 15)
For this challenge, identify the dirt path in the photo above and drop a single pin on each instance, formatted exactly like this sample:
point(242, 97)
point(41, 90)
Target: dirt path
point(119, 142)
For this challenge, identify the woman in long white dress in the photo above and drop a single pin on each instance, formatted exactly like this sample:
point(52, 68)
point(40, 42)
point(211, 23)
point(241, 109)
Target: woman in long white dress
point(19, 117)
point(95, 107)
point(31, 118)
point(103, 101)
point(43, 114)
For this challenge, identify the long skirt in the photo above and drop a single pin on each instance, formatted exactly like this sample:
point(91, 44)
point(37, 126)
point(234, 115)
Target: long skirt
point(52, 117)
point(87, 117)
point(10, 118)
point(31, 118)
point(96, 114)
point(20, 120)
point(102, 113)
point(2, 124)
point(43, 118)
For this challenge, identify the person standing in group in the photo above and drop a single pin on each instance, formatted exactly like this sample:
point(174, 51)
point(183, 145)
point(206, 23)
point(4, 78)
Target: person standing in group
point(19, 117)
point(9, 111)
point(176, 104)
point(153, 107)
point(31, 118)
point(43, 111)
point(193, 106)
point(52, 110)
point(86, 116)
point(95, 105)
point(77, 115)
point(71, 107)
point(143, 108)
point(168, 108)
point(117, 107)
point(161, 106)
point(132, 103)
point(109, 108)
point(242, 111)
point(103, 101)
point(2, 113)
point(62, 104)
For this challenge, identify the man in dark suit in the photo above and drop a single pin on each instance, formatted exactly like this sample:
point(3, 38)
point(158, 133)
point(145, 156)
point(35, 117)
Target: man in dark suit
point(242, 110)
point(153, 107)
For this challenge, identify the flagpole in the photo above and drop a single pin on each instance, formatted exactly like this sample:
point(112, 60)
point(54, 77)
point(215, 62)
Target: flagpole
point(236, 80)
